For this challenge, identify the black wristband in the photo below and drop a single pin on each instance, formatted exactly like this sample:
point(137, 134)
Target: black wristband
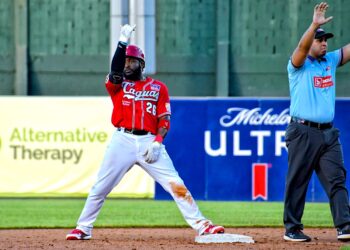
point(115, 77)
point(118, 61)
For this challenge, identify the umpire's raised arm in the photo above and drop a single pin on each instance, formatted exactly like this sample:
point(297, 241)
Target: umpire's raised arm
point(301, 52)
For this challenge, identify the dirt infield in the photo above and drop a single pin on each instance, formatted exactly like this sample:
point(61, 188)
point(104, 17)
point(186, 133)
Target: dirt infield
point(161, 238)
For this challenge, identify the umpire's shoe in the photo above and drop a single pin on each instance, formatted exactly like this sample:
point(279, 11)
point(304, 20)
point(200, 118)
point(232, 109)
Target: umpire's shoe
point(296, 235)
point(77, 234)
point(344, 233)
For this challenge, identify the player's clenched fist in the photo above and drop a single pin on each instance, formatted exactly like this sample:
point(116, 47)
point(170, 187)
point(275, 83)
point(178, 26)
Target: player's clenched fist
point(152, 152)
point(125, 32)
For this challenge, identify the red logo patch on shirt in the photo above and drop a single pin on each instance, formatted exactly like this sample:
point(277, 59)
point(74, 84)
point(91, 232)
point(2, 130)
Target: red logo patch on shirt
point(155, 87)
point(323, 82)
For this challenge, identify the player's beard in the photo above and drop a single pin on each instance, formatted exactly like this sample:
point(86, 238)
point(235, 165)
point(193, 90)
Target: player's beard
point(133, 75)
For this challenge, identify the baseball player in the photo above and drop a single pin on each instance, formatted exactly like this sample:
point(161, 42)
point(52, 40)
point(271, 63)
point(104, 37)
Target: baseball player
point(312, 140)
point(141, 115)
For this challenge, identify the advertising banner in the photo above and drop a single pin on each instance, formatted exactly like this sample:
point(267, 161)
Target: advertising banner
point(234, 148)
point(229, 149)
point(53, 146)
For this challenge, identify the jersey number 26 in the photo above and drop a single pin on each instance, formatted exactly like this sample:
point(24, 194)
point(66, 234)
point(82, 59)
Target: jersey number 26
point(151, 108)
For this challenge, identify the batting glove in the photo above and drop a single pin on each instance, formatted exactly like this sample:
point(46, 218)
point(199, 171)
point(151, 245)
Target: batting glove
point(125, 32)
point(153, 151)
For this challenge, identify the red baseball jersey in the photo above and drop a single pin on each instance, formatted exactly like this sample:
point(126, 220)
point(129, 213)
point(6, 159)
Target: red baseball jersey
point(138, 105)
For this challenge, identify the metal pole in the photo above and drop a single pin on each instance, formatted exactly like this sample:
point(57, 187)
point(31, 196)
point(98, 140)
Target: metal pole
point(21, 40)
point(143, 14)
point(223, 42)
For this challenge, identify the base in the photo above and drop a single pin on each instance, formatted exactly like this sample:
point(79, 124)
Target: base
point(223, 238)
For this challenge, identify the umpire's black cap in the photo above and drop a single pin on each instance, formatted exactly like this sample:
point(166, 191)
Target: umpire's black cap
point(321, 33)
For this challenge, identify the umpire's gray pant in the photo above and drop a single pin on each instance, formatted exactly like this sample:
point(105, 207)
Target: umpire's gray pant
point(312, 149)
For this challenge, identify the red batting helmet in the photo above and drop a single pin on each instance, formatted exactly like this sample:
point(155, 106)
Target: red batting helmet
point(134, 51)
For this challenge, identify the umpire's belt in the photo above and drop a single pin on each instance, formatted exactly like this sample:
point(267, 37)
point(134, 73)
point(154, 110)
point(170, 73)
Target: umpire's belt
point(134, 131)
point(320, 126)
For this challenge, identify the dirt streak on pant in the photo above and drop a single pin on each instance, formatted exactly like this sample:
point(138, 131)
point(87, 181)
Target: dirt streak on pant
point(181, 191)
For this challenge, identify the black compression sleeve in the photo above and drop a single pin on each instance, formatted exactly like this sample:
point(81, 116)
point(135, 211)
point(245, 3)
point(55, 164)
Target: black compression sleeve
point(118, 63)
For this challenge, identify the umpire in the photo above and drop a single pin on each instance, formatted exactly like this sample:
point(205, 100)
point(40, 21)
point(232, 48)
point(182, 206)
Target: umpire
point(311, 139)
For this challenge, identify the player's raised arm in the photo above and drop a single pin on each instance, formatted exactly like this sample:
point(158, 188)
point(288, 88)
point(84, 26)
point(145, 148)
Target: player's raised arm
point(118, 61)
point(302, 50)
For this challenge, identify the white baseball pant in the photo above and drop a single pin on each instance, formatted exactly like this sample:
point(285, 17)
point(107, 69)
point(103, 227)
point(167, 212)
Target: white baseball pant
point(123, 152)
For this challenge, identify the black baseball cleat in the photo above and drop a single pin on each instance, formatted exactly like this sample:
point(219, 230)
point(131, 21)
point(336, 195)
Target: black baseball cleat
point(296, 235)
point(344, 233)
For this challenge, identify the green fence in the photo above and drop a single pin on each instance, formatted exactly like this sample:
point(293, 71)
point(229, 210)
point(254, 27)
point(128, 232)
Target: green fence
point(68, 45)
point(7, 50)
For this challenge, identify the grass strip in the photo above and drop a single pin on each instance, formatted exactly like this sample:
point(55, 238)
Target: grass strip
point(63, 213)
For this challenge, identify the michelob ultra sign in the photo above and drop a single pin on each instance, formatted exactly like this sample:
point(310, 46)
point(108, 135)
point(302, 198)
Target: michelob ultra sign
point(234, 148)
point(223, 148)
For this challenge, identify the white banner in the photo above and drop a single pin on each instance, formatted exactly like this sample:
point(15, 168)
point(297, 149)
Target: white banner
point(53, 146)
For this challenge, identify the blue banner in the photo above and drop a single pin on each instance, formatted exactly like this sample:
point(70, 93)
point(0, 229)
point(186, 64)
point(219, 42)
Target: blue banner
point(233, 149)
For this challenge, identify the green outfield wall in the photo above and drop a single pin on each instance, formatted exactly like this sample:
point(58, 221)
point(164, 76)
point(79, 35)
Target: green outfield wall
point(68, 45)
